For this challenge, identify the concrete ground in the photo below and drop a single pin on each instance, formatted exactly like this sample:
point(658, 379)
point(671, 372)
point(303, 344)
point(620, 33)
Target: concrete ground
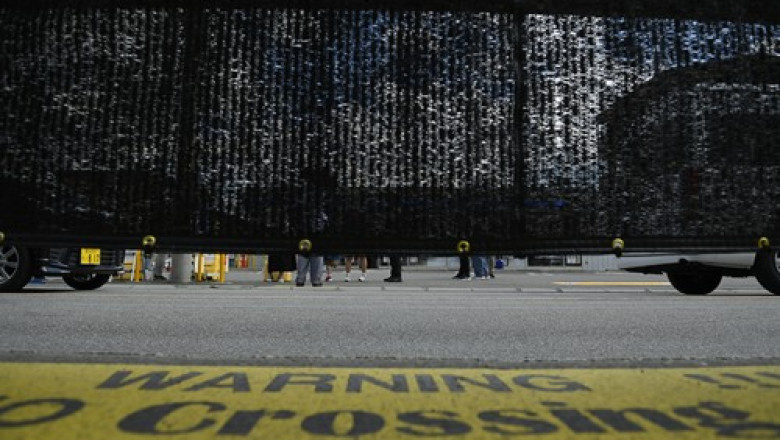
point(426, 278)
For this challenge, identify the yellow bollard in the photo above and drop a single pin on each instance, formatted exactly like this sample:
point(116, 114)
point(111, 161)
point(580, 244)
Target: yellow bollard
point(199, 268)
point(222, 261)
point(138, 267)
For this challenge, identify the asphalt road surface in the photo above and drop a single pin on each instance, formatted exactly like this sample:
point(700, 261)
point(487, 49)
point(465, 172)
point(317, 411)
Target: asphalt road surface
point(428, 320)
point(558, 355)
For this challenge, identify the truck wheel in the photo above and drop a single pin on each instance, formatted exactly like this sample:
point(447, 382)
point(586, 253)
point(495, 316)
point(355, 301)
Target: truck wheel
point(88, 281)
point(766, 271)
point(695, 283)
point(15, 268)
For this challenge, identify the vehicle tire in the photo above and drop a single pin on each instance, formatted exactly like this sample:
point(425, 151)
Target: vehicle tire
point(695, 283)
point(766, 271)
point(15, 268)
point(89, 281)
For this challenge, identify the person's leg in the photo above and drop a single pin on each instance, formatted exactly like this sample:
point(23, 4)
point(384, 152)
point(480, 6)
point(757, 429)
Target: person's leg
point(303, 267)
point(395, 266)
point(159, 266)
point(315, 265)
point(148, 266)
point(363, 260)
point(347, 267)
point(484, 262)
point(479, 270)
point(464, 271)
point(328, 266)
point(395, 270)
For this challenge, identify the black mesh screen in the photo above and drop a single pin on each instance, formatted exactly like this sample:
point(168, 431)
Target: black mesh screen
point(663, 130)
point(387, 129)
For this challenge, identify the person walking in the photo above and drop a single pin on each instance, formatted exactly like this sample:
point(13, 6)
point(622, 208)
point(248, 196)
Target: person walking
point(314, 194)
point(278, 264)
point(395, 270)
point(362, 263)
point(312, 265)
point(480, 267)
point(464, 272)
point(331, 261)
point(160, 261)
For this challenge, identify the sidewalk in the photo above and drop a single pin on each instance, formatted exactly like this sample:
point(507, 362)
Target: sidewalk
point(416, 278)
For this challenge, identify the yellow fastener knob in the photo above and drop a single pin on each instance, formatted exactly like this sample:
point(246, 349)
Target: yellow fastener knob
point(763, 243)
point(617, 247)
point(464, 246)
point(305, 245)
point(149, 241)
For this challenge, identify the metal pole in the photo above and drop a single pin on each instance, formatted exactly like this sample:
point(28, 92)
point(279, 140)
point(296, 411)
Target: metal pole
point(181, 268)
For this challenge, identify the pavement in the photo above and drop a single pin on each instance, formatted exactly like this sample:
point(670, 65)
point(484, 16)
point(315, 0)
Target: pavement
point(426, 278)
point(506, 280)
point(413, 349)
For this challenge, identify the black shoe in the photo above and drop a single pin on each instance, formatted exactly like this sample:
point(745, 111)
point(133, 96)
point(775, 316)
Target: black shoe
point(299, 284)
point(393, 280)
point(316, 285)
point(460, 277)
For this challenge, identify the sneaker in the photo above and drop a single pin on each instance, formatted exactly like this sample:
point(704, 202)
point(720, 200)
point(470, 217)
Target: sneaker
point(328, 279)
point(346, 279)
point(362, 278)
point(393, 280)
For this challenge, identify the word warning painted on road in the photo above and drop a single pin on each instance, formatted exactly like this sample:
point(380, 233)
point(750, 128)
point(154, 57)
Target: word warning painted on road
point(89, 401)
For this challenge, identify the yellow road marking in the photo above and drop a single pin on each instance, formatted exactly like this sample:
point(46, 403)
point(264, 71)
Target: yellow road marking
point(613, 283)
point(98, 401)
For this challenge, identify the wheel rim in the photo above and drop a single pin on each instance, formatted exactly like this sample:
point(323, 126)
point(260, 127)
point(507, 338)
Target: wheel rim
point(9, 263)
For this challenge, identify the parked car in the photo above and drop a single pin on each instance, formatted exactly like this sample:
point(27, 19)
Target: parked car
point(700, 274)
point(80, 268)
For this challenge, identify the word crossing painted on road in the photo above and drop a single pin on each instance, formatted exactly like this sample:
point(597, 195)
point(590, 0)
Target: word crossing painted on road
point(86, 401)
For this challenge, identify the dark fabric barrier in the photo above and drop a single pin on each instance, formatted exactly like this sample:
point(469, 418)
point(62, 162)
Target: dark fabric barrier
point(390, 129)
